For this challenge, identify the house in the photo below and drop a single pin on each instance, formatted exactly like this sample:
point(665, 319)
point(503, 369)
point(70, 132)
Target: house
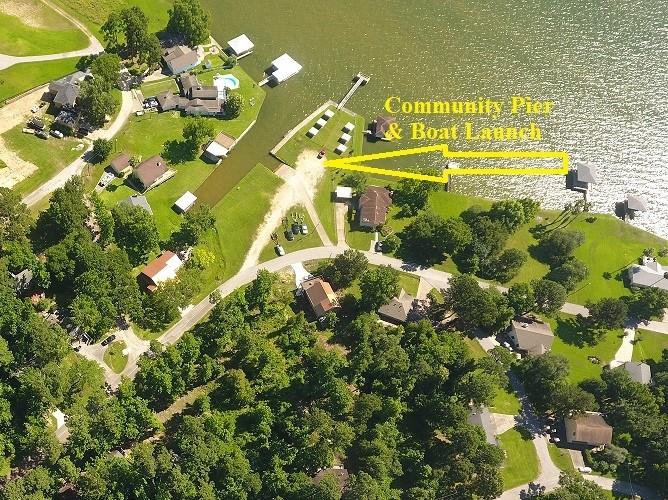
point(138, 200)
point(167, 100)
point(65, 91)
point(640, 372)
point(162, 269)
point(480, 417)
point(320, 295)
point(219, 147)
point(240, 46)
point(120, 165)
point(372, 206)
point(186, 83)
point(648, 274)
point(194, 98)
point(185, 202)
point(581, 177)
point(150, 173)
point(283, 68)
point(398, 310)
point(22, 280)
point(179, 59)
point(588, 429)
point(530, 335)
point(344, 193)
point(381, 125)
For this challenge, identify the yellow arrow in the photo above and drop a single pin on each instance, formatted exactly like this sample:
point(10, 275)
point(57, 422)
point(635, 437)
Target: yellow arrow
point(355, 163)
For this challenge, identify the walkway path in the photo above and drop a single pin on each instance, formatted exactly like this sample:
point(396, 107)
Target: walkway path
point(625, 351)
point(77, 166)
point(341, 212)
point(94, 47)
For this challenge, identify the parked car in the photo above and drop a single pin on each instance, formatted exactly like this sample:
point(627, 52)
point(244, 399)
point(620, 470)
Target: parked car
point(585, 469)
point(42, 134)
point(378, 246)
point(304, 229)
point(28, 130)
point(108, 340)
point(35, 108)
point(296, 228)
point(57, 133)
point(288, 235)
point(36, 123)
point(279, 250)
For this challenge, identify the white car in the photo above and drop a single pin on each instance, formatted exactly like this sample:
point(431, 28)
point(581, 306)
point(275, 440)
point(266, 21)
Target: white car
point(279, 250)
point(57, 133)
point(585, 469)
point(304, 229)
point(35, 108)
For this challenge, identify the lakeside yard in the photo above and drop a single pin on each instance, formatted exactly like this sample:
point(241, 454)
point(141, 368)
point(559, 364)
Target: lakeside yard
point(47, 33)
point(25, 76)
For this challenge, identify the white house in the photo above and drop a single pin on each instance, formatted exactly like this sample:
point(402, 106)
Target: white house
point(649, 274)
point(241, 46)
point(186, 201)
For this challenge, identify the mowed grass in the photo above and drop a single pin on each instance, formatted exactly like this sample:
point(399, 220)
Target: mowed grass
point(475, 348)
point(324, 203)
point(114, 357)
point(560, 457)
point(25, 76)
point(300, 242)
point(568, 343)
point(506, 402)
point(150, 89)
point(49, 156)
point(649, 346)
point(326, 139)
point(51, 34)
point(521, 463)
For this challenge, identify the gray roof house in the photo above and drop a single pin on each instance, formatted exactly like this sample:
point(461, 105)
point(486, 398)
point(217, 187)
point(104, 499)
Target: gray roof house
point(640, 372)
point(648, 274)
point(138, 200)
point(398, 310)
point(22, 279)
point(179, 59)
point(481, 417)
point(531, 335)
point(589, 429)
point(195, 98)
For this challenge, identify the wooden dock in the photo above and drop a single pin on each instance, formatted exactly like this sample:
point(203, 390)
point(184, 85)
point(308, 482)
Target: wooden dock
point(359, 80)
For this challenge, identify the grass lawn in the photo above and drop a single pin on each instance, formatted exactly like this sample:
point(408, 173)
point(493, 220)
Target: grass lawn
point(153, 88)
point(299, 243)
point(649, 346)
point(407, 281)
point(560, 457)
point(50, 156)
point(505, 402)
point(51, 33)
point(24, 76)
point(521, 463)
point(326, 139)
point(475, 348)
point(324, 205)
point(114, 357)
point(567, 342)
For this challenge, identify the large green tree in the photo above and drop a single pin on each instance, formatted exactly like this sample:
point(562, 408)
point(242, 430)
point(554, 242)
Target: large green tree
point(188, 19)
point(378, 286)
point(135, 231)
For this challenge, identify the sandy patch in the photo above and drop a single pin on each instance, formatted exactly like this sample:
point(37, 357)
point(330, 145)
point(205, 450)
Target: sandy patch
point(29, 13)
point(19, 111)
point(300, 182)
point(16, 170)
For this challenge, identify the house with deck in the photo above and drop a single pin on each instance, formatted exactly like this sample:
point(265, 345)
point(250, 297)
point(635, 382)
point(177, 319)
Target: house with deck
point(530, 335)
point(320, 296)
point(194, 98)
point(150, 173)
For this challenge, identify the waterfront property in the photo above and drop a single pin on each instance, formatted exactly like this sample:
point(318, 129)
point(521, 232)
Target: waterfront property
point(194, 98)
point(372, 207)
point(240, 46)
point(589, 429)
point(380, 126)
point(648, 274)
point(281, 69)
point(179, 59)
point(531, 335)
point(161, 269)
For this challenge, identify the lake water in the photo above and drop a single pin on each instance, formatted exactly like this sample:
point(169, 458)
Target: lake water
point(603, 63)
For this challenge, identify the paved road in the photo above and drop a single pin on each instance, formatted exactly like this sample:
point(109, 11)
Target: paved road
point(77, 166)
point(94, 46)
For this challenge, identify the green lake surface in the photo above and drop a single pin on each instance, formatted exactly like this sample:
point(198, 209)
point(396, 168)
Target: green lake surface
point(603, 64)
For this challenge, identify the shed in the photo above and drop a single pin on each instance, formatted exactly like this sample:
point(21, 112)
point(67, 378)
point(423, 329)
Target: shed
point(344, 193)
point(120, 165)
point(284, 68)
point(185, 202)
point(241, 45)
point(220, 147)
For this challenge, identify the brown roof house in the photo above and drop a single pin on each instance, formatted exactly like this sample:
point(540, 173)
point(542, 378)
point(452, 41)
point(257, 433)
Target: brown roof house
point(372, 206)
point(589, 429)
point(220, 147)
point(320, 295)
point(531, 335)
point(179, 59)
point(150, 173)
point(398, 310)
point(159, 270)
point(381, 125)
point(120, 165)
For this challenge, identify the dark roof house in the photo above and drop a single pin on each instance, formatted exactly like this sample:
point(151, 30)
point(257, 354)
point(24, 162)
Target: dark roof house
point(481, 417)
point(590, 429)
point(179, 59)
point(382, 125)
point(150, 172)
point(121, 164)
point(320, 295)
point(65, 91)
point(373, 205)
point(531, 335)
point(398, 310)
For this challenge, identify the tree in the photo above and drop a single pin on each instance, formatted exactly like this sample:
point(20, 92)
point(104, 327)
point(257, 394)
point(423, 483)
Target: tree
point(96, 101)
point(506, 266)
point(151, 51)
point(521, 298)
point(412, 195)
point(510, 213)
point(489, 238)
point(259, 291)
point(66, 214)
point(101, 149)
point(378, 286)
point(572, 486)
point(391, 244)
point(135, 24)
point(429, 236)
point(234, 104)
point(476, 307)
point(607, 313)
point(196, 131)
point(112, 28)
point(569, 273)
point(355, 180)
point(189, 20)
point(558, 245)
point(346, 268)
point(135, 232)
point(530, 208)
point(104, 219)
point(105, 69)
point(648, 303)
point(15, 218)
point(195, 223)
point(550, 296)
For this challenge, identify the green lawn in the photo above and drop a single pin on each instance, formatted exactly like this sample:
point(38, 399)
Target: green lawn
point(324, 204)
point(409, 283)
point(505, 402)
point(326, 139)
point(49, 33)
point(567, 342)
point(521, 463)
point(114, 357)
point(299, 243)
point(649, 345)
point(50, 156)
point(475, 348)
point(560, 457)
point(153, 88)
point(25, 76)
